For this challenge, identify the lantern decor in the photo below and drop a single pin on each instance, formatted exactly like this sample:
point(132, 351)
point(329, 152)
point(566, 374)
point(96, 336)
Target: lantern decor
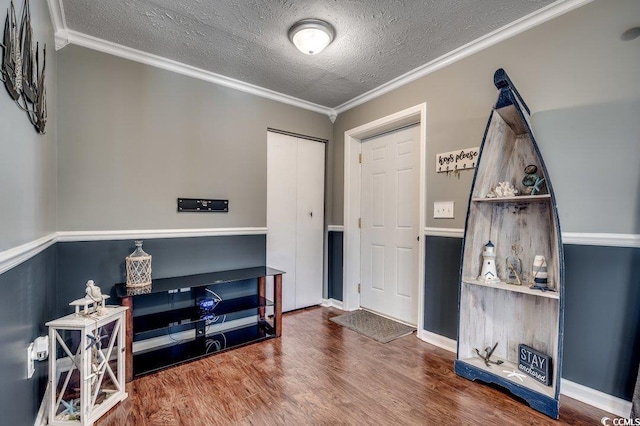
point(489, 273)
point(138, 266)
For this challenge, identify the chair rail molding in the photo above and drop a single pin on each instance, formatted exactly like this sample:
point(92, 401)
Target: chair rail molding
point(577, 238)
point(14, 256)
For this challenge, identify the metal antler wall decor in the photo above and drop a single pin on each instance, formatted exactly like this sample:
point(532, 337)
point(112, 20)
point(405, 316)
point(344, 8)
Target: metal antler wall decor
point(21, 72)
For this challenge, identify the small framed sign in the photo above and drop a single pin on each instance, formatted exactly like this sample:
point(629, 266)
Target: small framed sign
point(535, 364)
point(457, 160)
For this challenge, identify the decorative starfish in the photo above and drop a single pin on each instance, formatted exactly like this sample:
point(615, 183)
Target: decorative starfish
point(536, 186)
point(69, 407)
point(95, 341)
point(514, 373)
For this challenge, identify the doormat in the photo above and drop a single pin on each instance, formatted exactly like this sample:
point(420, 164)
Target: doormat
point(373, 326)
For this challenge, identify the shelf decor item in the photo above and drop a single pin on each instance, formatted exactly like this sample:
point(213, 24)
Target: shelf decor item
point(531, 180)
point(86, 366)
point(489, 273)
point(514, 266)
point(21, 73)
point(138, 266)
point(539, 273)
point(519, 222)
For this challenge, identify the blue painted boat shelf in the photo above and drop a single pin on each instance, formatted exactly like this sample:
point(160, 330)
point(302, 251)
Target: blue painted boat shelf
point(496, 317)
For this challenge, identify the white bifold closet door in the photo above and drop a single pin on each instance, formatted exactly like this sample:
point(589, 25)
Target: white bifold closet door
point(295, 217)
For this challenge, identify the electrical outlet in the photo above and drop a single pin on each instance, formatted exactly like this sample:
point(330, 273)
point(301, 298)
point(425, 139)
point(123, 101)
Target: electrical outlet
point(443, 210)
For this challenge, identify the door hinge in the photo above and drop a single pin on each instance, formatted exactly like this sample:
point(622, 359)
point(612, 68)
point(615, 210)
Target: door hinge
point(360, 222)
point(358, 288)
point(360, 158)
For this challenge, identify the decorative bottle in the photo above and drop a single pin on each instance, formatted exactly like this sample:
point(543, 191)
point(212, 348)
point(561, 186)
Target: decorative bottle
point(138, 266)
point(514, 266)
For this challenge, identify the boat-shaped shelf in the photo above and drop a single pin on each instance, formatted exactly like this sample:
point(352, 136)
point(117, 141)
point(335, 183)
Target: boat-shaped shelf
point(505, 314)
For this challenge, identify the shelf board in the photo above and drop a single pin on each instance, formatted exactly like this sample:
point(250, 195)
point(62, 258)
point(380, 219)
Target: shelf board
point(190, 315)
point(199, 280)
point(516, 199)
point(160, 358)
point(515, 288)
point(503, 371)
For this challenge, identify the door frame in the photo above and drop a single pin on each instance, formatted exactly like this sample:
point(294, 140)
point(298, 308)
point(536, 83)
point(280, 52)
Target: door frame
point(352, 187)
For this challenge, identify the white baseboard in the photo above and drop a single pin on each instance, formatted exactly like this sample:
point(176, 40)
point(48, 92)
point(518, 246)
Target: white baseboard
point(333, 303)
point(609, 403)
point(595, 398)
point(438, 340)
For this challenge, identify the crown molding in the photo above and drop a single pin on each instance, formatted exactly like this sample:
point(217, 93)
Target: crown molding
point(518, 26)
point(125, 52)
point(56, 11)
point(64, 36)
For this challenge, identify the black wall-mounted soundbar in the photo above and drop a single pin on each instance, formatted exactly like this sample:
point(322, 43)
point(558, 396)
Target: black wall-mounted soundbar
point(202, 205)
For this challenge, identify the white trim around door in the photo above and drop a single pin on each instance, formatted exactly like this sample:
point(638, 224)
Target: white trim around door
point(352, 184)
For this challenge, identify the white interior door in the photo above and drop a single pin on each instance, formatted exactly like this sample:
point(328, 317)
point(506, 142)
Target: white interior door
point(295, 217)
point(389, 231)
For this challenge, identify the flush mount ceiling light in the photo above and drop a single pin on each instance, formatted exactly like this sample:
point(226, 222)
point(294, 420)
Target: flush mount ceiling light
point(311, 36)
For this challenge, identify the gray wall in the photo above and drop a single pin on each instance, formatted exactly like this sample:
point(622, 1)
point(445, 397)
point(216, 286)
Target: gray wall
point(28, 292)
point(27, 212)
point(582, 85)
point(133, 138)
point(28, 159)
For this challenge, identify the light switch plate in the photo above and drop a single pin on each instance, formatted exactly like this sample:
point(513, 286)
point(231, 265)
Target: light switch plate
point(443, 210)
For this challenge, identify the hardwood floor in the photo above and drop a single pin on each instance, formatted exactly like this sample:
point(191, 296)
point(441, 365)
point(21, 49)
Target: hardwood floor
point(320, 373)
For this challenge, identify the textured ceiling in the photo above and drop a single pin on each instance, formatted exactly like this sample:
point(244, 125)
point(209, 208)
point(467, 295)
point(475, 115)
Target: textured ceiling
point(376, 40)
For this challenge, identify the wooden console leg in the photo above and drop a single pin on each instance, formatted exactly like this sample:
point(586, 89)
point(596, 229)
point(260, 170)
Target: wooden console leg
point(128, 356)
point(277, 301)
point(262, 295)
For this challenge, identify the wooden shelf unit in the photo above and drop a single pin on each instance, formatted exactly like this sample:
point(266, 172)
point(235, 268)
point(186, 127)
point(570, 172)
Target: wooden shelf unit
point(501, 313)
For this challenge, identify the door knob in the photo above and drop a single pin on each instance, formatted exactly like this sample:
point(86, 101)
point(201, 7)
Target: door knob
point(311, 214)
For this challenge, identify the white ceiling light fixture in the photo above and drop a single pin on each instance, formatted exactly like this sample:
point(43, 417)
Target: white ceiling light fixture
point(311, 36)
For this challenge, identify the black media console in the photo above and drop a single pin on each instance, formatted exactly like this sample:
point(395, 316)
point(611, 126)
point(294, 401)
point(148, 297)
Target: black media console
point(195, 322)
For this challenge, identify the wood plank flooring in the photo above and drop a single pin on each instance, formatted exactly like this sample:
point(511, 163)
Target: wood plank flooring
point(320, 373)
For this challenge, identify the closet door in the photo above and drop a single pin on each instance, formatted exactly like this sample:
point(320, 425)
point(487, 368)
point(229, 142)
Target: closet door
point(295, 217)
point(281, 213)
point(310, 218)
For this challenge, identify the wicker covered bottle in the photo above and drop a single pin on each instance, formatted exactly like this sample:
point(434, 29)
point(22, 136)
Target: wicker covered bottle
point(138, 266)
